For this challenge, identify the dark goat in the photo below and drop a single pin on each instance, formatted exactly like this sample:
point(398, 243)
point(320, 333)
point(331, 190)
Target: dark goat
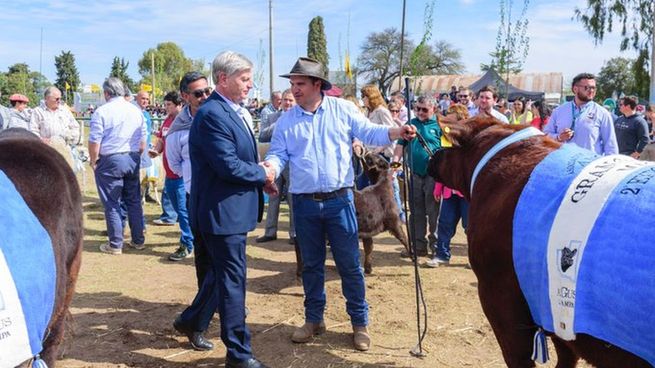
point(376, 208)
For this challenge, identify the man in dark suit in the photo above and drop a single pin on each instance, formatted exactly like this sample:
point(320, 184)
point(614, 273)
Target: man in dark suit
point(226, 201)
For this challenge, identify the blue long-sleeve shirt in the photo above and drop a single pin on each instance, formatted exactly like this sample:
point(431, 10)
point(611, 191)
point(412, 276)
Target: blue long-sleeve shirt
point(593, 128)
point(318, 146)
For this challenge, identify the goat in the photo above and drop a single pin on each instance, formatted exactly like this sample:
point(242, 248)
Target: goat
point(376, 210)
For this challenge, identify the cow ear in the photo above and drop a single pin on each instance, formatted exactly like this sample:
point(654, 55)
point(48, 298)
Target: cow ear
point(452, 134)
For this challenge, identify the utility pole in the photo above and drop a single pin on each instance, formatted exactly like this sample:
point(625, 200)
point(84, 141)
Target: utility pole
point(402, 46)
point(508, 48)
point(652, 62)
point(41, 54)
point(270, 48)
point(152, 69)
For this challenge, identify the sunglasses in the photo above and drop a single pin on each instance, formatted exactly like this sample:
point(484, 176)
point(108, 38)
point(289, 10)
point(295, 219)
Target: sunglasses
point(463, 96)
point(588, 88)
point(200, 92)
point(394, 111)
point(424, 110)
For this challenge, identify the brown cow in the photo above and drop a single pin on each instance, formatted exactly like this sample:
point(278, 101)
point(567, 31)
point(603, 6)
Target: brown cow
point(376, 208)
point(497, 190)
point(48, 186)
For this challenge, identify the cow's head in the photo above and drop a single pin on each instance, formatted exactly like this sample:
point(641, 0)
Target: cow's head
point(469, 140)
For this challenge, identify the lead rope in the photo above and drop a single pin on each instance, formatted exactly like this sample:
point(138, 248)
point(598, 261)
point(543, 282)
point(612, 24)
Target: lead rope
point(417, 351)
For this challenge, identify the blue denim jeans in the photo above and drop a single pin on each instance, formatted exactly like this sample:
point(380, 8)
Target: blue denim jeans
point(334, 218)
point(177, 196)
point(117, 180)
point(452, 209)
point(168, 211)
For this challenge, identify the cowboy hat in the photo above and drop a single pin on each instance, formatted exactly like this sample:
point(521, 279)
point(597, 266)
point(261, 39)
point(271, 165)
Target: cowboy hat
point(308, 67)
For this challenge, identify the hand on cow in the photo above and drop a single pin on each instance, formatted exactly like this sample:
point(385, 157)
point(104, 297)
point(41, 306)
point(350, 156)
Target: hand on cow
point(271, 189)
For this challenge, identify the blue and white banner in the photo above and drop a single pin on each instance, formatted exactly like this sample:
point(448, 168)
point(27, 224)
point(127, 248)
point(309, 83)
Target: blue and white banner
point(27, 278)
point(583, 248)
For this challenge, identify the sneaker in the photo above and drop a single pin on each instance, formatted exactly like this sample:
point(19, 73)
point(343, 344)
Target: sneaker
point(135, 246)
point(179, 254)
point(436, 262)
point(106, 248)
point(160, 222)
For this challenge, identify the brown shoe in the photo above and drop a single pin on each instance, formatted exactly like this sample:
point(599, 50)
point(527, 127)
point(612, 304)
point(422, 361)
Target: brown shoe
point(307, 331)
point(361, 339)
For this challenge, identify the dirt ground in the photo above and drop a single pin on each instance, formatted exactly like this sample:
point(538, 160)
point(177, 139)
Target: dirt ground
point(125, 305)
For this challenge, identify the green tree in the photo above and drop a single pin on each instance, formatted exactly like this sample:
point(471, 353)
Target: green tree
point(616, 76)
point(316, 42)
point(119, 70)
point(421, 54)
point(640, 72)
point(379, 60)
point(170, 65)
point(19, 79)
point(67, 74)
point(636, 19)
point(512, 41)
point(441, 58)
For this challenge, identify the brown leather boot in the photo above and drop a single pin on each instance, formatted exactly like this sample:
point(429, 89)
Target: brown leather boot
point(307, 331)
point(361, 338)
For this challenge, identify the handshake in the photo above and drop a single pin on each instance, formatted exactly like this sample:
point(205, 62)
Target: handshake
point(269, 185)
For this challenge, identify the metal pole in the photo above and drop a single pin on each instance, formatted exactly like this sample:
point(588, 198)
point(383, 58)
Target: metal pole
point(652, 61)
point(152, 69)
point(41, 54)
point(508, 53)
point(270, 48)
point(402, 47)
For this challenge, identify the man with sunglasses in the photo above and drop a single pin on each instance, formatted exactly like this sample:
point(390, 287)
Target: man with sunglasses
point(194, 90)
point(582, 121)
point(464, 98)
point(424, 210)
point(52, 119)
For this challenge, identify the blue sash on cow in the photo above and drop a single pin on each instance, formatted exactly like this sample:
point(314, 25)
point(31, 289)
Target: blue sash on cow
point(27, 278)
point(582, 248)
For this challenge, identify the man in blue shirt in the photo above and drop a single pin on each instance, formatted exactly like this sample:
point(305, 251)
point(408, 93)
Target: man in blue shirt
point(582, 121)
point(117, 137)
point(315, 138)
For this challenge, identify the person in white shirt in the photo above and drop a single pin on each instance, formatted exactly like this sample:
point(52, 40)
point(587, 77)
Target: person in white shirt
point(52, 119)
point(486, 101)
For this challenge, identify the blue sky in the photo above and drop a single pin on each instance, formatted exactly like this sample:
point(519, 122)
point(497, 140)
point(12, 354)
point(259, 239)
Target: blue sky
point(96, 31)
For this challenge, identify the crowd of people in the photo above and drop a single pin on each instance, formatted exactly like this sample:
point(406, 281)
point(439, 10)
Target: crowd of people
point(219, 198)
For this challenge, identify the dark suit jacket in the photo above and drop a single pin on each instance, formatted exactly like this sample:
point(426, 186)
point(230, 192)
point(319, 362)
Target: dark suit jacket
point(226, 181)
